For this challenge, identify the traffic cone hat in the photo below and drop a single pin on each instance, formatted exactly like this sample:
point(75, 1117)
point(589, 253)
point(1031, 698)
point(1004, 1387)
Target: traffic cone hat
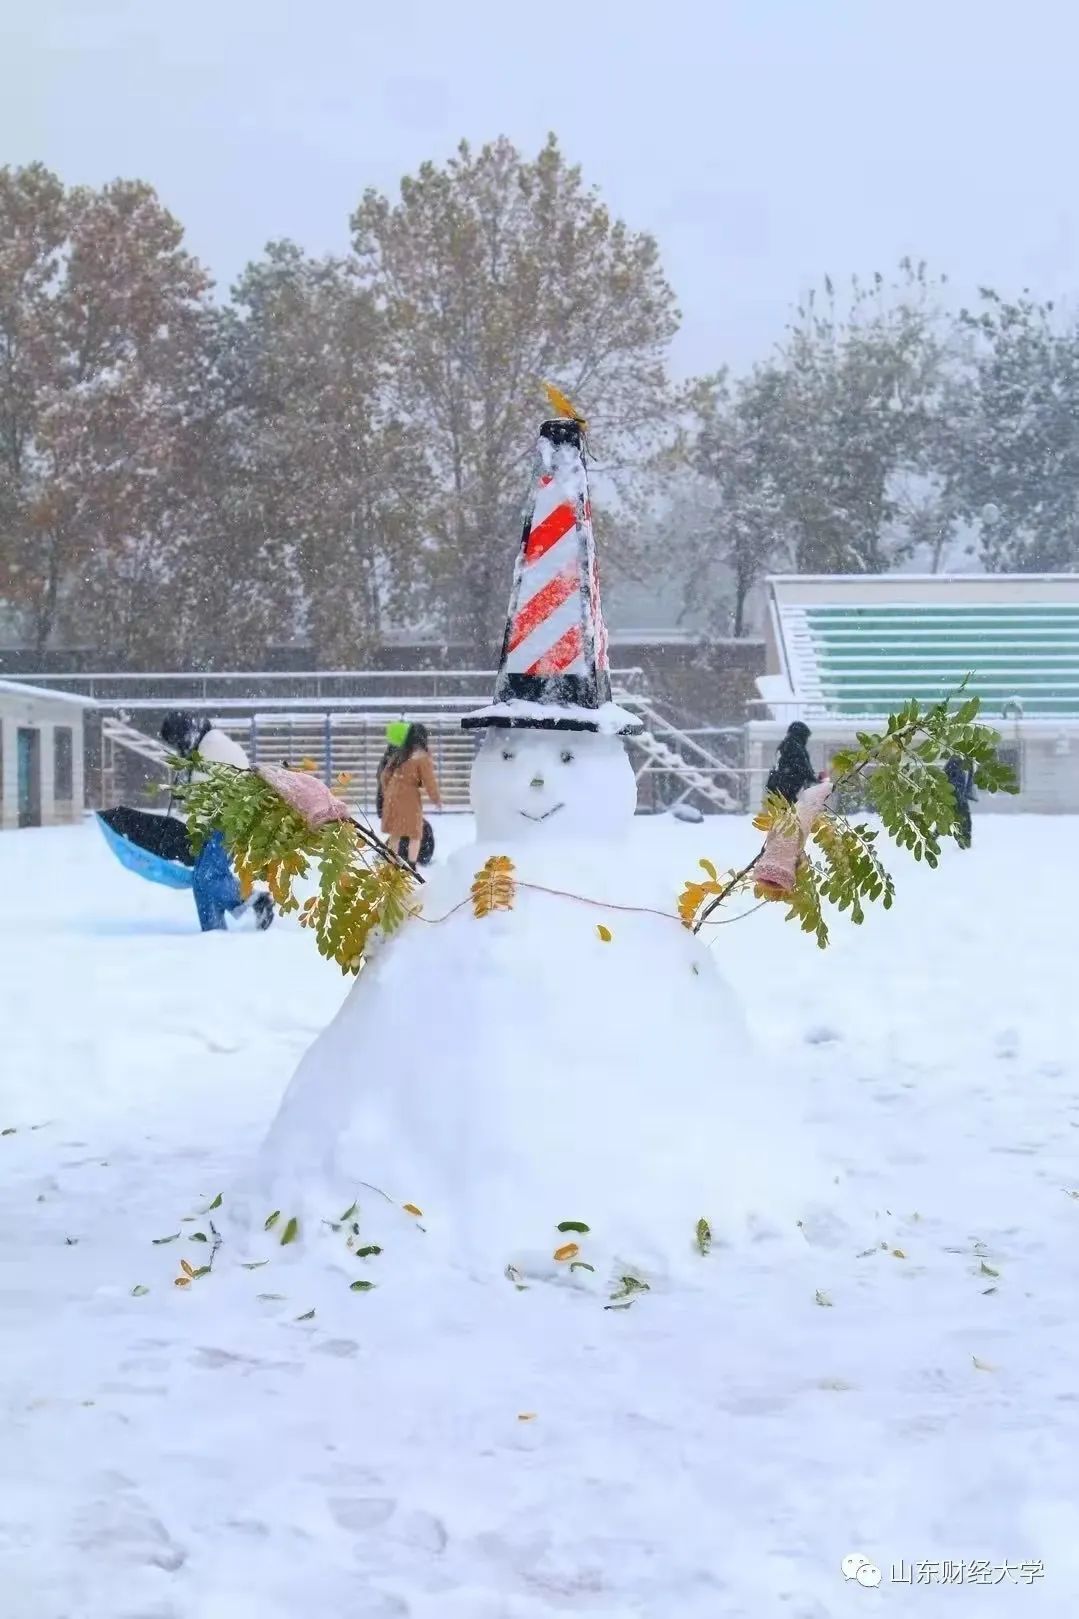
point(553, 672)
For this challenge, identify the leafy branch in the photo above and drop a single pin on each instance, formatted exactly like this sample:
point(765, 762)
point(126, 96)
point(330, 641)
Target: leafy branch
point(363, 890)
point(901, 771)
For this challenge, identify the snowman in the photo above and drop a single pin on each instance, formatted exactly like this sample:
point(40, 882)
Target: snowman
point(559, 1085)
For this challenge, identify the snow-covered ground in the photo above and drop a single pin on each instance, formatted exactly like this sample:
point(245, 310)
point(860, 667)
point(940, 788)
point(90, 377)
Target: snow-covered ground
point(476, 1452)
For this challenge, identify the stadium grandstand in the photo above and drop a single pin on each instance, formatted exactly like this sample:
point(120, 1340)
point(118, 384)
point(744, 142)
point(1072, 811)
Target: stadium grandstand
point(843, 651)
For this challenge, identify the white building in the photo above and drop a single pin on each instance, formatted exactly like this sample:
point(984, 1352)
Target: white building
point(843, 651)
point(41, 755)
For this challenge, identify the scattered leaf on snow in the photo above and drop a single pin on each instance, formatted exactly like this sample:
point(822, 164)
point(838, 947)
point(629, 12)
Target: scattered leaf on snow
point(897, 1253)
point(71, 1242)
point(618, 1306)
point(199, 1236)
point(704, 1235)
point(526, 1416)
point(581, 1264)
point(349, 1212)
point(159, 1241)
point(866, 1252)
point(572, 1225)
point(201, 1270)
point(568, 1250)
point(631, 1284)
point(365, 1253)
point(604, 933)
point(360, 1287)
point(216, 1204)
point(272, 1219)
point(254, 1264)
point(822, 1299)
point(10, 1131)
point(513, 1275)
point(139, 1291)
point(186, 1268)
point(986, 1290)
point(410, 1208)
point(987, 1270)
point(291, 1231)
point(182, 1281)
point(309, 1315)
point(274, 1298)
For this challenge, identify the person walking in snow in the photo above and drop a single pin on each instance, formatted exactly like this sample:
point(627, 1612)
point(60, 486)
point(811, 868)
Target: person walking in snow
point(792, 770)
point(961, 778)
point(406, 776)
point(216, 888)
point(396, 732)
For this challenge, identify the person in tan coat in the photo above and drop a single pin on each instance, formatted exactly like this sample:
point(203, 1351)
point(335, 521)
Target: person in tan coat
point(404, 778)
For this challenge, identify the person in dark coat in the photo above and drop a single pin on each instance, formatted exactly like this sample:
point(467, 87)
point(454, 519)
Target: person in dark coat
point(961, 778)
point(793, 770)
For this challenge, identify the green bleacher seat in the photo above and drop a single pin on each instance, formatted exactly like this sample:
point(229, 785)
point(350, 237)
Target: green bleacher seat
point(869, 659)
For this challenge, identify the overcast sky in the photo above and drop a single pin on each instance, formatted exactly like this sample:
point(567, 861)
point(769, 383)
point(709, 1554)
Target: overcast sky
point(764, 142)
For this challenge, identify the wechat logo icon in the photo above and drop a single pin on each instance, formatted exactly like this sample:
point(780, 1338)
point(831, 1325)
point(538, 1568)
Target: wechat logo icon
point(857, 1567)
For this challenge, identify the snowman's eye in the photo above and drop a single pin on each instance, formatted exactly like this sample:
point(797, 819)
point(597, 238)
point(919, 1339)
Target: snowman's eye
point(506, 754)
point(567, 756)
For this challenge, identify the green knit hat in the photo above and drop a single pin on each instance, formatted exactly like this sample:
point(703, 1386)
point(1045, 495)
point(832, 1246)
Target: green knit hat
point(396, 732)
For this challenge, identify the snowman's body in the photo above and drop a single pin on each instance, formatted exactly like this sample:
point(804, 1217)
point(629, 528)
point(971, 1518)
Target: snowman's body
point(510, 1072)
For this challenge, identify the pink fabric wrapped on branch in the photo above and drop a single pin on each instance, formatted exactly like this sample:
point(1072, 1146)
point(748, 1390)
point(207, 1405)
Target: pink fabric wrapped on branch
point(777, 870)
point(308, 796)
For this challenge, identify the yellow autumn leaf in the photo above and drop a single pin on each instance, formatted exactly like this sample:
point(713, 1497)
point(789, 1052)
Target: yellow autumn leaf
point(344, 778)
point(604, 933)
point(526, 1416)
point(561, 405)
point(897, 1253)
point(186, 1268)
point(764, 821)
point(410, 1208)
point(307, 764)
point(568, 1250)
point(182, 1281)
point(494, 888)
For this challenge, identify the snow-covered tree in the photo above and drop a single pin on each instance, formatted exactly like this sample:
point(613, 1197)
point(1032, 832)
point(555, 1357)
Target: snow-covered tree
point(497, 274)
point(1013, 452)
point(320, 465)
point(101, 313)
point(844, 410)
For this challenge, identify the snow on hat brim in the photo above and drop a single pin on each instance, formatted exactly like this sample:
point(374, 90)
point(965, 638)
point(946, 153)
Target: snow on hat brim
point(608, 719)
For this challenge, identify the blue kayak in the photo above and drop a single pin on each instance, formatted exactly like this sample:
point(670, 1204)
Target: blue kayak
point(152, 846)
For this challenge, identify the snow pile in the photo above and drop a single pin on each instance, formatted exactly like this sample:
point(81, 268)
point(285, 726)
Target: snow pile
point(493, 1071)
point(468, 1451)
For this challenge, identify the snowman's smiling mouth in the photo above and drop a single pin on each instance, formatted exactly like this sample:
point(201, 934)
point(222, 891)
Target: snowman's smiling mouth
point(545, 816)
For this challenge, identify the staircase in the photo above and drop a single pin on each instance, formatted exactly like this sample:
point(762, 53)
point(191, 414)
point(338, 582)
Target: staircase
point(117, 734)
point(693, 771)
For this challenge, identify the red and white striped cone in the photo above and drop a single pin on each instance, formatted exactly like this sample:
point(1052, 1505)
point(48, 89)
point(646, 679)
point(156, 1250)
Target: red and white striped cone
point(553, 672)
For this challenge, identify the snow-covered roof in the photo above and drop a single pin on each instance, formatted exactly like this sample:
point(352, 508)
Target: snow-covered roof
point(20, 688)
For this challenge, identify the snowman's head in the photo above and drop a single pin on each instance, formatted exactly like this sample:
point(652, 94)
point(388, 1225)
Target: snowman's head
point(530, 784)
